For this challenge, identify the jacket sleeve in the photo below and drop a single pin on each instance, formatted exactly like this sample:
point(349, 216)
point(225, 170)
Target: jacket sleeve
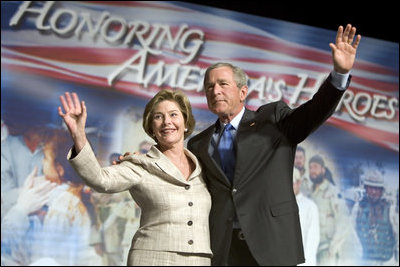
point(296, 124)
point(111, 179)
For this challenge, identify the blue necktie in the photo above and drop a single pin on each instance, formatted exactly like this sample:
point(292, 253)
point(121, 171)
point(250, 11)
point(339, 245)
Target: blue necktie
point(227, 152)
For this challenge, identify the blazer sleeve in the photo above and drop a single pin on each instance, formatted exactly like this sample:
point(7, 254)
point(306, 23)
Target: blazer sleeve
point(111, 179)
point(298, 123)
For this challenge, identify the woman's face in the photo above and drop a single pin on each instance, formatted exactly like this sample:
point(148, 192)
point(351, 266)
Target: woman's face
point(168, 123)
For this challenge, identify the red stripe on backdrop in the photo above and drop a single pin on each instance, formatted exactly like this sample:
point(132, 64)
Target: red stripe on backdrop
point(377, 136)
point(287, 49)
point(81, 55)
point(102, 56)
point(386, 87)
point(146, 4)
point(291, 80)
point(117, 55)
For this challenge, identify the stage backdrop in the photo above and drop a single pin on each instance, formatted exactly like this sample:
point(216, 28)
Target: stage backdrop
point(116, 56)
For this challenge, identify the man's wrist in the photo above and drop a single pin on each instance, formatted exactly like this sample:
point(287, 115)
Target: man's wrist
point(340, 80)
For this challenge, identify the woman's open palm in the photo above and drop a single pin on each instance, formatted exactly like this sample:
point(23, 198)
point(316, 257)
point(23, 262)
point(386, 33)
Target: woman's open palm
point(74, 117)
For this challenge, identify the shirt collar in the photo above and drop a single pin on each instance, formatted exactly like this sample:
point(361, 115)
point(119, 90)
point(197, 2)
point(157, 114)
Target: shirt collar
point(235, 121)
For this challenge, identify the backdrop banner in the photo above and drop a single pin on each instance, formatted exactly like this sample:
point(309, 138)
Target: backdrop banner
point(116, 56)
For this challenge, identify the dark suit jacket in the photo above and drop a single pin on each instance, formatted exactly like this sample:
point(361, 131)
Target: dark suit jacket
point(262, 192)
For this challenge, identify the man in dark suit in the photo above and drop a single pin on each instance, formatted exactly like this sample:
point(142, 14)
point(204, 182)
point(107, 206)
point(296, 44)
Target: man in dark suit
point(254, 217)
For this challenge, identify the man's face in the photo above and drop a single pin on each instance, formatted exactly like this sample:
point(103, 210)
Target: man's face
point(374, 193)
point(317, 172)
point(224, 98)
point(299, 160)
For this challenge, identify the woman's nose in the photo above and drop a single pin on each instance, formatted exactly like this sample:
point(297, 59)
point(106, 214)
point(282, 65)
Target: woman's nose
point(167, 119)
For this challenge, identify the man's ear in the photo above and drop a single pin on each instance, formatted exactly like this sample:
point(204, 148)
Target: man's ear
point(243, 93)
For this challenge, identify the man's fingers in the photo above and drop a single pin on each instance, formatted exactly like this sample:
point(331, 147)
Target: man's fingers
point(357, 42)
point(346, 33)
point(121, 158)
point(339, 34)
point(332, 46)
point(351, 35)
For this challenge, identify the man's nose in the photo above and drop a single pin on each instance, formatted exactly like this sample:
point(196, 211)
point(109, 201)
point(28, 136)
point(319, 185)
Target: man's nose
point(216, 89)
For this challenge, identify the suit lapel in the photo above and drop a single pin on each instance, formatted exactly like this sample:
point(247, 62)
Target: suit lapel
point(210, 164)
point(163, 163)
point(247, 127)
point(248, 121)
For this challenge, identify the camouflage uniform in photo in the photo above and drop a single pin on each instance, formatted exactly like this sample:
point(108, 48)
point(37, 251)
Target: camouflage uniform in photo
point(374, 226)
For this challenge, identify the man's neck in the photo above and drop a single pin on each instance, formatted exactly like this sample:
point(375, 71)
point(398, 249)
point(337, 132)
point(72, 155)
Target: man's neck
point(234, 119)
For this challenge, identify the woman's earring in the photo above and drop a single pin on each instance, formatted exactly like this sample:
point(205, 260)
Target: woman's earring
point(186, 129)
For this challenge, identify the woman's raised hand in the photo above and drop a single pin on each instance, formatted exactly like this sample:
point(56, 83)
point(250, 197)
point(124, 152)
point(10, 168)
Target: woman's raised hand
point(74, 116)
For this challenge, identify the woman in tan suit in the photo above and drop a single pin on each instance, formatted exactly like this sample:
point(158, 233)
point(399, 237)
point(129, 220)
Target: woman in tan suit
point(167, 183)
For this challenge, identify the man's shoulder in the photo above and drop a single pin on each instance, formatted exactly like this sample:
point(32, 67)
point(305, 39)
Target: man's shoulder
point(200, 136)
point(271, 108)
point(275, 104)
point(267, 111)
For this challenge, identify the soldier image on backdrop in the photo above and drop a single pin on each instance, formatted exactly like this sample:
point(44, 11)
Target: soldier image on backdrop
point(335, 235)
point(309, 221)
point(300, 164)
point(374, 222)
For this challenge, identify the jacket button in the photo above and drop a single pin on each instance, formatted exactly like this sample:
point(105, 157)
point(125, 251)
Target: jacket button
point(187, 187)
point(189, 223)
point(190, 203)
point(234, 190)
point(190, 242)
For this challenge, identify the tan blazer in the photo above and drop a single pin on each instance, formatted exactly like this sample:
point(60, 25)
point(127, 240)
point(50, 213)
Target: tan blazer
point(175, 212)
